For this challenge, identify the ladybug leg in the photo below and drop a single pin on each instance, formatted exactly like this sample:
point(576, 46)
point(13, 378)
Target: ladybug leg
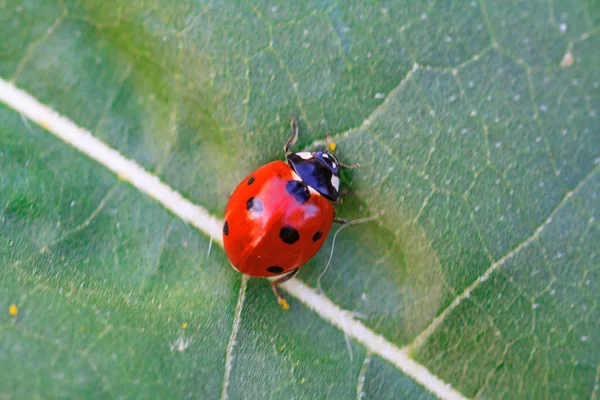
point(345, 192)
point(349, 166)
point(338, 220)
point(292, 140)
point(338, 201)
point(275, 286)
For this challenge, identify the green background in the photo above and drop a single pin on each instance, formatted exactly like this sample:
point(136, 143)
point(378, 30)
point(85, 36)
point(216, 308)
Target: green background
point(478, 137)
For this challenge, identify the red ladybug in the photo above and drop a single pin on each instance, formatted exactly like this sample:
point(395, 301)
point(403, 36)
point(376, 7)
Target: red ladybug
point(280, 215)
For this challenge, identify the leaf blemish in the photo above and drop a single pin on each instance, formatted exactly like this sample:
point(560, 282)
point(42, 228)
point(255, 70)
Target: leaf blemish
point(180, 344)
point(13, 310)
point(567, 59)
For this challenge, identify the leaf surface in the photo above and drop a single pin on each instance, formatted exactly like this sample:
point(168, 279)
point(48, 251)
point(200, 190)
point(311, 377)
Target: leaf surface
point(476, 127)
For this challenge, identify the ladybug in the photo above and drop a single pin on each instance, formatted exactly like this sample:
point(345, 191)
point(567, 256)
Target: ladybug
point(279, 216)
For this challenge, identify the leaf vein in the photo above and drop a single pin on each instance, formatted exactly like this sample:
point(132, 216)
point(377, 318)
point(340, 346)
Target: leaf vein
point(437, 321)
point(232, 338)
point(362, 376)
point(367, 121)
point(34, 45)
point(130, 171)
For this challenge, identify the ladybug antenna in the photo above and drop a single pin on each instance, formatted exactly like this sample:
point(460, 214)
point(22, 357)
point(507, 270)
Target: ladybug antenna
point(344, 224)
point(349, 166)
point(294, 138)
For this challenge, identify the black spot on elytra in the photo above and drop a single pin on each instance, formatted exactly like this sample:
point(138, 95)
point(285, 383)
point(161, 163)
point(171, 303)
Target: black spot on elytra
point(251, 180)
point(226, 228)
point(317, 236)
point(299, 190)
point(254, 205)
point(289, 235)
point(275, 269)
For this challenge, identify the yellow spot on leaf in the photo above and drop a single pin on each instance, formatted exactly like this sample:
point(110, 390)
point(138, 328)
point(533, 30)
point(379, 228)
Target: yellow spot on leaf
point(332, 146)
point(184, 325)
point(282, 347)
point(13, 310)
point(283, 303)
point(303, 380)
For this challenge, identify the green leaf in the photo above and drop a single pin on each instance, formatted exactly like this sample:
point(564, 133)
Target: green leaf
point(476, 127)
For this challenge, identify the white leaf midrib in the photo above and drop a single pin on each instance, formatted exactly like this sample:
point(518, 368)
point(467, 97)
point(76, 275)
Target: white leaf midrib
point(128, 170)
point(232, 338)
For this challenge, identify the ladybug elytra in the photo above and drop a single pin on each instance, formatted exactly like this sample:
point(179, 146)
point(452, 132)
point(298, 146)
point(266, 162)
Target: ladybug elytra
point(279, 216)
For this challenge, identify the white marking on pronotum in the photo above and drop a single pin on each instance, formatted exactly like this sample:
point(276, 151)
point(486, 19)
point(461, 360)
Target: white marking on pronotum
point(335, 182)
point(131, 172)
point(305, 155)
point(232, 338)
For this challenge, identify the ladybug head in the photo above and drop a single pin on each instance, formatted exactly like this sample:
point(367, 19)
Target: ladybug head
point(328, 159)
point(319, 170)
